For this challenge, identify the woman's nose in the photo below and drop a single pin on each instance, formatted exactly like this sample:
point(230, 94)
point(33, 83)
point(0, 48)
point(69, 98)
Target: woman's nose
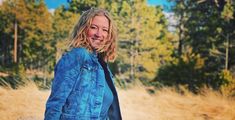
point(98, 33)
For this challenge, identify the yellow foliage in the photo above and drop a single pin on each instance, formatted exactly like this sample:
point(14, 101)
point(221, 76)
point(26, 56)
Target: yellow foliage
point(228, 88)
point(189, 56)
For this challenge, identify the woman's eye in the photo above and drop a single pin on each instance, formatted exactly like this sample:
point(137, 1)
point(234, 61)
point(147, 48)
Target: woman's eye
point(93, 27)
point(105, 30)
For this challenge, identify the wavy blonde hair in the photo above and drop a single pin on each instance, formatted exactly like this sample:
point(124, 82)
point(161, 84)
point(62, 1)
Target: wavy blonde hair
point(78, 37)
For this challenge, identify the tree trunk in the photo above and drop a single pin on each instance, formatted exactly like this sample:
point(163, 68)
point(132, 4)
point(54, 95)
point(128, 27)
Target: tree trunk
point(227, 51)
point(15, 44)
point(1, 50)
point(132, 64)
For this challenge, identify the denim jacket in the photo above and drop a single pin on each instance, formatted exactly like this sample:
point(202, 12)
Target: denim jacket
point(78, 89)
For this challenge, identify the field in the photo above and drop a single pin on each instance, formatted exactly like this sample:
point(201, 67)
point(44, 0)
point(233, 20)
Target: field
point(28, 103)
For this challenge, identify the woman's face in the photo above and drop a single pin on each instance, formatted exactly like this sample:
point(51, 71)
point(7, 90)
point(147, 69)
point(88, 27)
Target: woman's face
point(98, 31)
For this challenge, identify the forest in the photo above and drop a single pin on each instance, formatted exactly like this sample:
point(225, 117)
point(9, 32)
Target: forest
point(197, 51)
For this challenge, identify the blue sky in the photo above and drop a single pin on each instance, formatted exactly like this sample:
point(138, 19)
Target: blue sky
point(159, 2)
point(52, 4)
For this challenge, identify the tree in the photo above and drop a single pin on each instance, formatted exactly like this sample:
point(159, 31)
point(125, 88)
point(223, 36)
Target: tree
point(63, 22)
point(33, 31)
point(143, 40)
point(34, 26)
point(207, 30)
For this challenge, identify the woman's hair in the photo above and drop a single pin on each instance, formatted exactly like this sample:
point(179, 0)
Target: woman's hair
point(78, 37)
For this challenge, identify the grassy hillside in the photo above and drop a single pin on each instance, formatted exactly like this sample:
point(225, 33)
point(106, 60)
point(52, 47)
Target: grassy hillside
point(28, 103)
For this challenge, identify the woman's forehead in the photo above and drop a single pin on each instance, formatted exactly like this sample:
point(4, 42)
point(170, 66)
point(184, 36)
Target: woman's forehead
point(100, 21)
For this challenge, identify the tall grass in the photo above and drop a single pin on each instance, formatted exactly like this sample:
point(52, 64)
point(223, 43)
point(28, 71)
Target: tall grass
point(170, 105)
point(24, 103)
point(28, 103)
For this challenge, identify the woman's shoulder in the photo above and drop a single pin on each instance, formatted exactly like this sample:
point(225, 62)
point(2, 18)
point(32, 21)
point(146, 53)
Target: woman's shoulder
point(76, 52)
point(79, 50)
point(74, 56)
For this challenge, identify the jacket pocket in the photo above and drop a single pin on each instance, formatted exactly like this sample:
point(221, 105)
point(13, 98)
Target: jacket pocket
point(86, 77)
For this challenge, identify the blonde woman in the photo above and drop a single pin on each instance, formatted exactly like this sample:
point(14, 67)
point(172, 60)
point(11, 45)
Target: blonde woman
point(83, 87)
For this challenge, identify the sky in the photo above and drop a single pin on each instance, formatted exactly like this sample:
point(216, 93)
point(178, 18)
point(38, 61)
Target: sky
point(159, 2)
point(52, 4)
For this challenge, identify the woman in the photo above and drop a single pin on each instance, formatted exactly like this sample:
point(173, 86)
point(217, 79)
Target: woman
point(83, 88)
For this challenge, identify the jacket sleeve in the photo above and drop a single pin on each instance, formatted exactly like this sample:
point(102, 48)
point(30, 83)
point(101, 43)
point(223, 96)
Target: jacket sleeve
point(66, 72)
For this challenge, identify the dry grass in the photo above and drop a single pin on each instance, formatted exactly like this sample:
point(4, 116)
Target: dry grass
point(28, 103)
point(169, 105)
point(25, 103)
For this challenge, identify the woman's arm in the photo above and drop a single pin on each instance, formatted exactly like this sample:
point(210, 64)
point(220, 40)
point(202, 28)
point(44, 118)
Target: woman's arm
point(66, 73)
